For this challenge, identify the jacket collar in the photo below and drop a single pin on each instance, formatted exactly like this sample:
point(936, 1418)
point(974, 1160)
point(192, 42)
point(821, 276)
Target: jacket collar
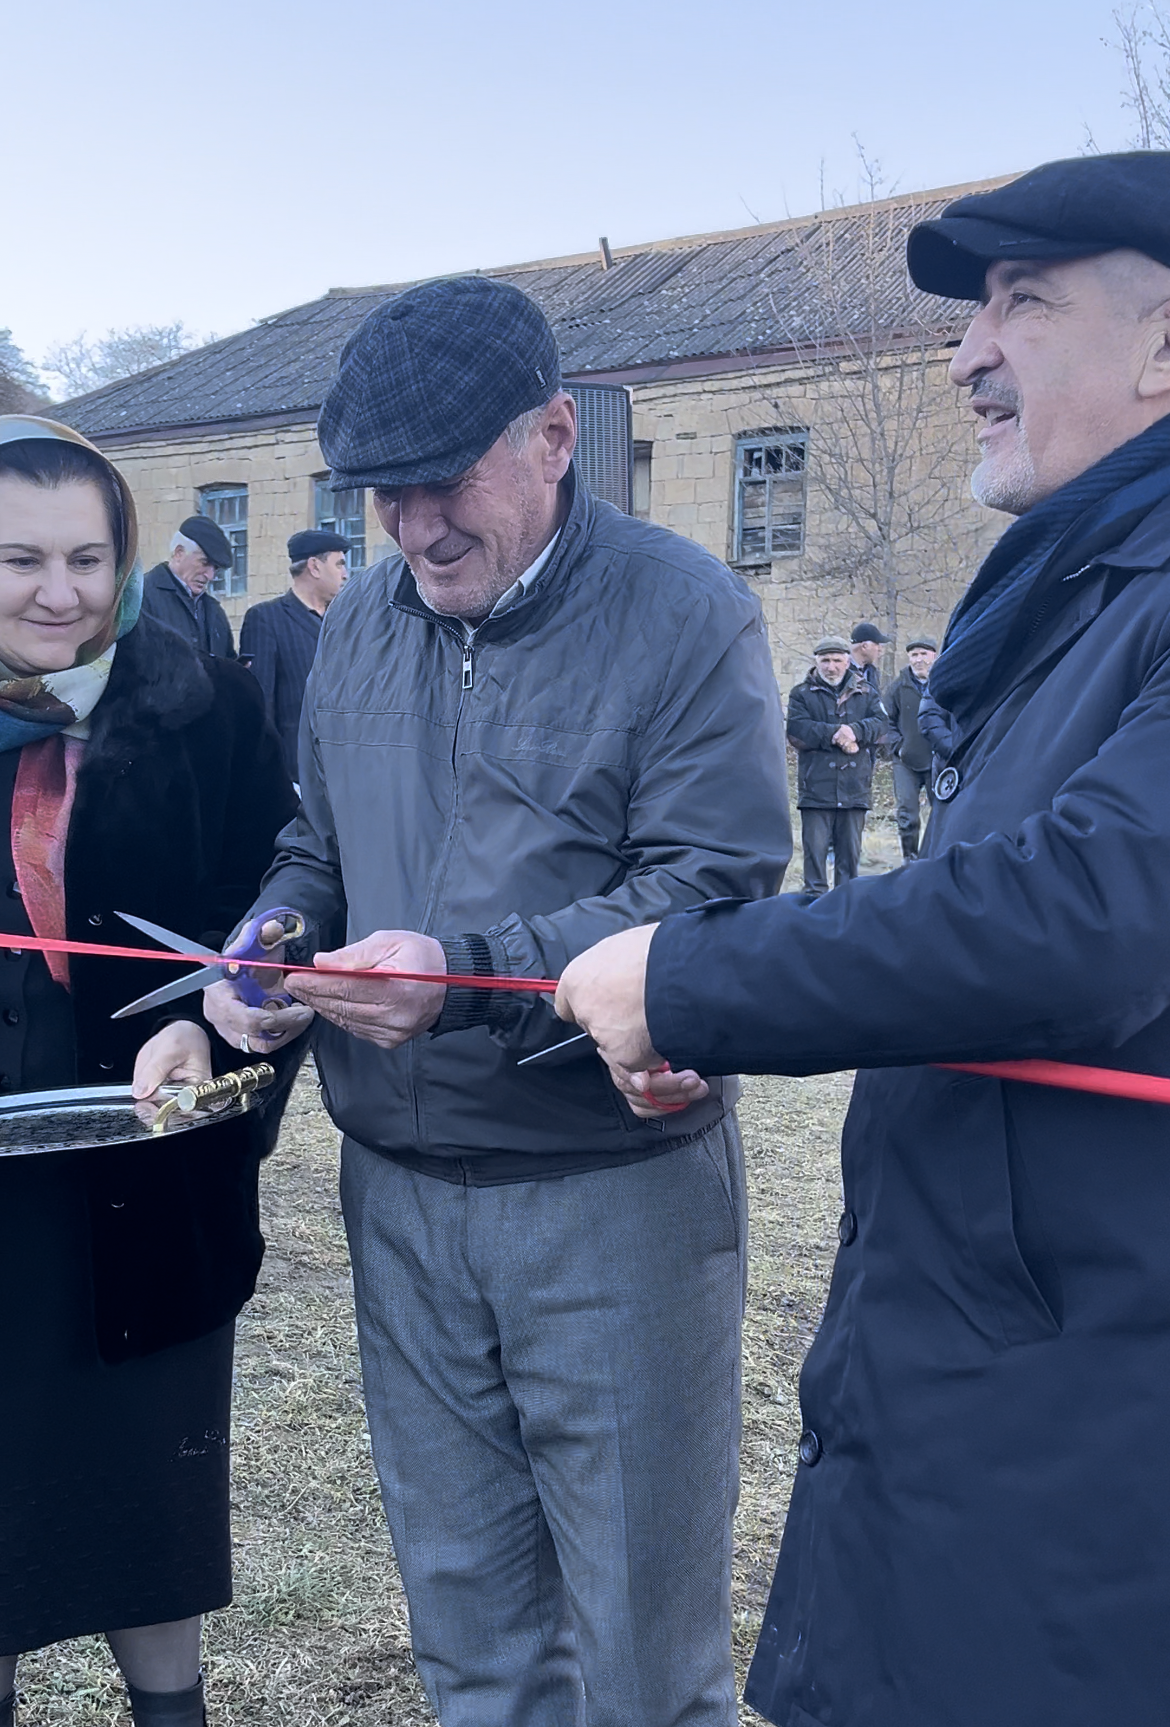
point(1148, 547)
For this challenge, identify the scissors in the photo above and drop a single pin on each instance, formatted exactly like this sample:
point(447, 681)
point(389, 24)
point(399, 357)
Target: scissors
point(247, 949)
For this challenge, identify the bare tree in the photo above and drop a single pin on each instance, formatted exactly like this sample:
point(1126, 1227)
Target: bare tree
point(888, 451)
point(1143, 41)
point(82, 365)
point(21, 391)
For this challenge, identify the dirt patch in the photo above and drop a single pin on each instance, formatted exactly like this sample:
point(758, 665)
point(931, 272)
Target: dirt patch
point(318, 1633)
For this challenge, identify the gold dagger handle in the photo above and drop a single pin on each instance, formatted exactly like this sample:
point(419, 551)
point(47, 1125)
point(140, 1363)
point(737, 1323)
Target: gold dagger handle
point(229, 1086)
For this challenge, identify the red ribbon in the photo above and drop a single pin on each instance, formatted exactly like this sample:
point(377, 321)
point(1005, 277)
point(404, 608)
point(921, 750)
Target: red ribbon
point(1068, 1076)
point(48, 944)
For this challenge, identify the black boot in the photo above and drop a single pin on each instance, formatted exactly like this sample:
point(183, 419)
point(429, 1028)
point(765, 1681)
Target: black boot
point(167, 1708)
point(8, 1710)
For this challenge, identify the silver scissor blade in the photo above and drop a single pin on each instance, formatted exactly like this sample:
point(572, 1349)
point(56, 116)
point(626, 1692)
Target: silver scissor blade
point(185, 985)
point(168, 938)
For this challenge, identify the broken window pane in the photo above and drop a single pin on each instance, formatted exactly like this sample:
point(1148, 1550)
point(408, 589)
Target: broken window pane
point(769, 503)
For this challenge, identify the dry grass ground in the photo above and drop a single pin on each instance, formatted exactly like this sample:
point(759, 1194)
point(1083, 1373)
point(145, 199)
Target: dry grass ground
point(318, 1632)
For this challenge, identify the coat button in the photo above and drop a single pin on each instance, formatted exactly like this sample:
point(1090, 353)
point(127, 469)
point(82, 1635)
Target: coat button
point(946, 785)
point(809, 1448)
point(14, 953)
point(14, 890)
point(11, 1016)
point(106, 1066)
point(847, 1229)
point(95, 918)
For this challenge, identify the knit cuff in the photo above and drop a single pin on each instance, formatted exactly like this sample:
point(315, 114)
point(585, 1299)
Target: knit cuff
point(471, 956)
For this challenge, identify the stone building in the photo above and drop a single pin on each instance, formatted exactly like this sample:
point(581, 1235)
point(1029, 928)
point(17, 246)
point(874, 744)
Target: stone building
point(788, 399)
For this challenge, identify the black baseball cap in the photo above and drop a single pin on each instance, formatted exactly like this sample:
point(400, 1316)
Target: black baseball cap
point(1071, 209)
point(429, 381)
point(210, 538)
point(868, 633)
point(314, 543)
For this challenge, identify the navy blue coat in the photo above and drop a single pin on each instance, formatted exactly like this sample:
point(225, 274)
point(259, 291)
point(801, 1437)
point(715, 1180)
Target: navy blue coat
point(979, 1534)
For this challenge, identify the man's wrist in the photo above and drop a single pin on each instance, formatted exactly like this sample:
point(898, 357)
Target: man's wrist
point(470, 955)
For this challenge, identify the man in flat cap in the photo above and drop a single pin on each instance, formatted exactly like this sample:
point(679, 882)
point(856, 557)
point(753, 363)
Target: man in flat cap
point(544, 721)
point(910, 751)
point(835, 721)
point(980, 1524)
point(175, 592)
point(278, 638)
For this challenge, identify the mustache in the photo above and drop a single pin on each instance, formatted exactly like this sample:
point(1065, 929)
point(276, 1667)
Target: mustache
point(451, 547)
point(991, 389)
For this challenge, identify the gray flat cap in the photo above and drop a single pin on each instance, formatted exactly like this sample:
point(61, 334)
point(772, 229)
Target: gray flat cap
point(429, 381)
point(831, 645)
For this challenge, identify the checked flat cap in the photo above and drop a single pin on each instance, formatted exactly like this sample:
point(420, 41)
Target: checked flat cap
point(1070, 209)
point(429, 381)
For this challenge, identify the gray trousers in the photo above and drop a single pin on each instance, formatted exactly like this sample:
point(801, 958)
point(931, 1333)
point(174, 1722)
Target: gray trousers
point(552, 1384)
point(909, 784)
point(820, 829)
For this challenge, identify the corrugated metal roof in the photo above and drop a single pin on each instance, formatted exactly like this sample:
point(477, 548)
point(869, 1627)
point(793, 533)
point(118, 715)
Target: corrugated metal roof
point(755, 291)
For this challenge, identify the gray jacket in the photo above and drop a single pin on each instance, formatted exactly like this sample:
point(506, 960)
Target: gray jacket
point(607, 751)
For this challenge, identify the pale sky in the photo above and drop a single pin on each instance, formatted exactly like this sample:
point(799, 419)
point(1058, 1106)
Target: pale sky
point(221, 162)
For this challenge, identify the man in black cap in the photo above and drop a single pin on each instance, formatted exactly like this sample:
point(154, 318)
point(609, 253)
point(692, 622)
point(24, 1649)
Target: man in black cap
point(176, 592)
point(278, 638)
point(544, 721)
point(911, 752)
point(980, 1524)
point(867, 644)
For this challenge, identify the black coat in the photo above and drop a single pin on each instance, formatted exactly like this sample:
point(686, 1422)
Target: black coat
point(179, 797)
point(202, 622)
point(830, 779)
point(278, 641)
point(980, 1529)
point(903, 737)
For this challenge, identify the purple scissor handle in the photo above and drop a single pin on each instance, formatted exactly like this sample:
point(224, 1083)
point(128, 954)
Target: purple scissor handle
point(233, 963)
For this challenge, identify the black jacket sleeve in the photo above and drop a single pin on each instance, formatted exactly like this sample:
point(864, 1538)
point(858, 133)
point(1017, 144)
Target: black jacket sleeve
point(892, 702)
point(805, 730)
point(258, 648)
point(1050, 939)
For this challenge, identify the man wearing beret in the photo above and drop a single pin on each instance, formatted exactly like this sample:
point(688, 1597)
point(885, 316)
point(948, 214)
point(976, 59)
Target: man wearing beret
point(980, 1528)
point(176, 594)
point(910, 750)
point(544, 721)
point(278, 638)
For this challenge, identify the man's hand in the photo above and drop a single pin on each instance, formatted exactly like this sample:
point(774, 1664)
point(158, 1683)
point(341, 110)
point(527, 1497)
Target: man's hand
point(673, 1091)
point(378, 1009)
point(179, 1054)
point(845, 739)
point(256, 1030)
point(603, 990)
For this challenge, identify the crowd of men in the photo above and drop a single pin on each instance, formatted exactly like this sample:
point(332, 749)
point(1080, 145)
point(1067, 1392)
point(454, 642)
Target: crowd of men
point(840, 722)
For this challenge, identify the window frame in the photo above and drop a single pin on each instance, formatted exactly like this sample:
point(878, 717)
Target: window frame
point(355, 559)
point(775, 437)
point(229, 584)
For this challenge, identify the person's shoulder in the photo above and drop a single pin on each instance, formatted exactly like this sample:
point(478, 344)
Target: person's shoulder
point(262, 613)
point(676, 570)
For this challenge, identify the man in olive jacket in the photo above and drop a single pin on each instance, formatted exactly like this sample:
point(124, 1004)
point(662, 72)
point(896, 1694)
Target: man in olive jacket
point(980, 1527)
point(544, 722)
point(911, 752)
point(835, 721)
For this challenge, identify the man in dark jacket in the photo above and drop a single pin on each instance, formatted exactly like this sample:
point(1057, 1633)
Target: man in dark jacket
point(278, 638)
point(980, 1524)
point(867, 644)
point(911, 752)
point(543, 722)
point(176, 592)
point(834, 723)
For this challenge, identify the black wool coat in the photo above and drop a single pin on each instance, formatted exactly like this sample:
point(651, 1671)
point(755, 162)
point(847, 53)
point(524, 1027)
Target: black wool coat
point(180, 794)
point(829, 778)
point(980, 1527)
point(904, 737)
point(203, 622)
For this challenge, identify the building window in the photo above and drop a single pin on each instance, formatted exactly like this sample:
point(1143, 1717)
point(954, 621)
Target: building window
point(228, 505)
point(769, 496)
point(643, 456)
point(343, 513)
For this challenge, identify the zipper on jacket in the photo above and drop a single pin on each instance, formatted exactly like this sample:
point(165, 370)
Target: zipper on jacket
point(468, 667)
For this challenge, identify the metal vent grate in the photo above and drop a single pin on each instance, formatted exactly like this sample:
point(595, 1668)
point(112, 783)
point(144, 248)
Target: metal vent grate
point(605, 450)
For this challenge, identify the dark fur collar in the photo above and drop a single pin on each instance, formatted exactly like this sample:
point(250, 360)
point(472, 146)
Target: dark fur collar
point(157, 680)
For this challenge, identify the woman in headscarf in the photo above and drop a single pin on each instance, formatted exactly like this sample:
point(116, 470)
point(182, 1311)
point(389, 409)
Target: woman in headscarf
point(135, 774)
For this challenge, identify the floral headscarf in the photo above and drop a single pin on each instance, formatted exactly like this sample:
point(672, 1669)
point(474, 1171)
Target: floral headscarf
point(36, 706)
